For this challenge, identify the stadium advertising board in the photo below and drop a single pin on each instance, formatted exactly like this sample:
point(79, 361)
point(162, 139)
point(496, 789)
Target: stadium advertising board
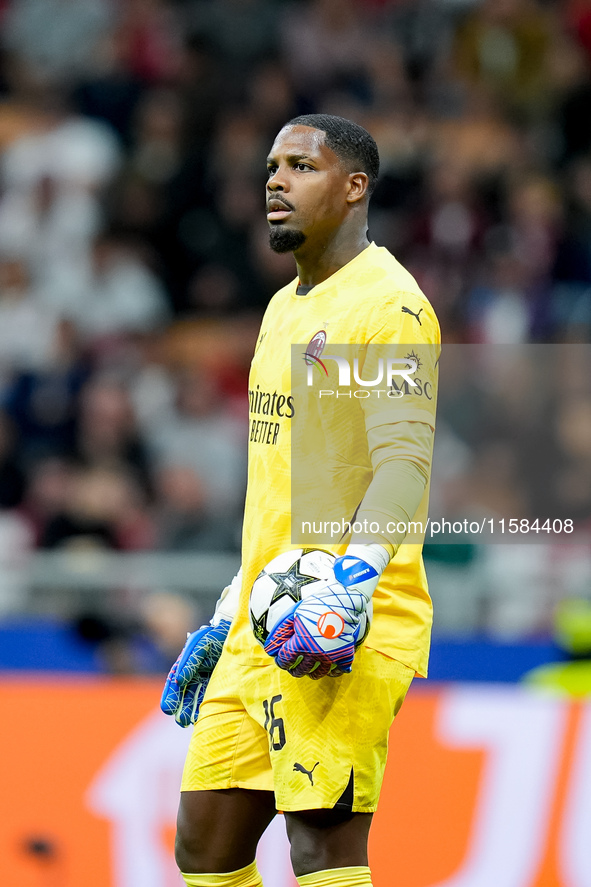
point(485, 786)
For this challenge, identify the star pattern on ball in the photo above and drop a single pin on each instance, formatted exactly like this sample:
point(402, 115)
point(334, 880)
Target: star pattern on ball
point(259, 627)
point(290, 583)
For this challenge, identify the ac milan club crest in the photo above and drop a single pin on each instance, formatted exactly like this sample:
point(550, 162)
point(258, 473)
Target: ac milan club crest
point(316, 345)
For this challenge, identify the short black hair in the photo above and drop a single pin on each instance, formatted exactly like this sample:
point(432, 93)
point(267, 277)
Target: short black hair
point(352, 144)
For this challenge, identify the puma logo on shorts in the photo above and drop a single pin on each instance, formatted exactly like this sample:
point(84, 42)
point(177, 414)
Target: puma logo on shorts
point(301, 769)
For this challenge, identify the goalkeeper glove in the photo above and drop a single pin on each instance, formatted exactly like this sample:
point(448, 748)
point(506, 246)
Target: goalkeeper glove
point(320, 635)
point(189, 676)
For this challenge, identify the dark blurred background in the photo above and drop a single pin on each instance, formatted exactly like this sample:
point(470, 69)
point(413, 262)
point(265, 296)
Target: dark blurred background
point(134, 270)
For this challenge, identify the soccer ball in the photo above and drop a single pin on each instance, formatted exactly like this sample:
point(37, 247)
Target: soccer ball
point(284, 582)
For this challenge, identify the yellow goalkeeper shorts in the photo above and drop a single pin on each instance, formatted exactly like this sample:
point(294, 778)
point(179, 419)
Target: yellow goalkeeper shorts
point(315, 744)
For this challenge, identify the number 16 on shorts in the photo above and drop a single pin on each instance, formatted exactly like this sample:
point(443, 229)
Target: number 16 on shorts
point(274, 725)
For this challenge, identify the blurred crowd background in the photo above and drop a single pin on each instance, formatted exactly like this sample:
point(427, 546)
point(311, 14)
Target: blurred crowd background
point(134, 265)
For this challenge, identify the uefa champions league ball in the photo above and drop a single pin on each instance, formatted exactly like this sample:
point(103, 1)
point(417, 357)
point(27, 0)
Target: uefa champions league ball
point(289, 578)
point(283, 583)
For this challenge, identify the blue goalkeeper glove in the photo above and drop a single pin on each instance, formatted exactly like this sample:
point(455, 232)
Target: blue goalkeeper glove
point(189, 676)
point(320, 635)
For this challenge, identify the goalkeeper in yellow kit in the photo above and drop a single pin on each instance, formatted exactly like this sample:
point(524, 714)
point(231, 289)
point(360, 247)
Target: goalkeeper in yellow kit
point(266, 736)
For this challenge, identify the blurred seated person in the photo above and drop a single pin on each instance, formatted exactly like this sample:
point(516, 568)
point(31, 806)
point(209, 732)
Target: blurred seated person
point(114, 294)
point(12, 478)
point(199, 433)
point(188, 517)
point(46, 494)
point(26, 325)
point(104, 509)
point(502, 49)
point(166, 618)
point(107, 433)
point(42, 400)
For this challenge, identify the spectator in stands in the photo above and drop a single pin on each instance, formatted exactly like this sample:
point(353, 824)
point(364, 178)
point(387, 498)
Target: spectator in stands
point(200, 435)
point(243, 31)
point(107, 433)
point(51, 226)
point(117, 294)
point(502, 49)
point(27, 327)
point(327, 49)
point(104, 509)
point(166, 620)
point(12, 477)
point(46, 495)
point(57, 39)
point(188, 516)
point(43, 400)
point(75, 151)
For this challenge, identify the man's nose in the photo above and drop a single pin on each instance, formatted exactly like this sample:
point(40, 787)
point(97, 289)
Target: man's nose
point(277, 182)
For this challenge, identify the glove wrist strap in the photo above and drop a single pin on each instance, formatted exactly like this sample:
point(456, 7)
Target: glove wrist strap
point(361, 566)
point(227, 605)
point(373, 554)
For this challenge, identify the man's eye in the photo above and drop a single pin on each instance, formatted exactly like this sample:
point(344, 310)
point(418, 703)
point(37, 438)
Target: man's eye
point(302, 166)
point(271, 170)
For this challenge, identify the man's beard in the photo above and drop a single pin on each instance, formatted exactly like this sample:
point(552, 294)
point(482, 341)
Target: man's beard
point(285, 240)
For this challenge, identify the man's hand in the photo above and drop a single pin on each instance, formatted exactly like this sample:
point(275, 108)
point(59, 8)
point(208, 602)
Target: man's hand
point(319, 637)
point(188, 678)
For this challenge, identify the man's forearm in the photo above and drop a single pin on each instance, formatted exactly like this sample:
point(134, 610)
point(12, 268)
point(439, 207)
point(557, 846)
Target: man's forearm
point(401, 455)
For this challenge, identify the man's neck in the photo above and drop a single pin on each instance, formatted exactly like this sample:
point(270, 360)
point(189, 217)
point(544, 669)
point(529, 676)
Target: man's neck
point(317, 263)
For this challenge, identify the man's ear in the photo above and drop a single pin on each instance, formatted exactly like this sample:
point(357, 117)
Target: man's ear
point(358, 184)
